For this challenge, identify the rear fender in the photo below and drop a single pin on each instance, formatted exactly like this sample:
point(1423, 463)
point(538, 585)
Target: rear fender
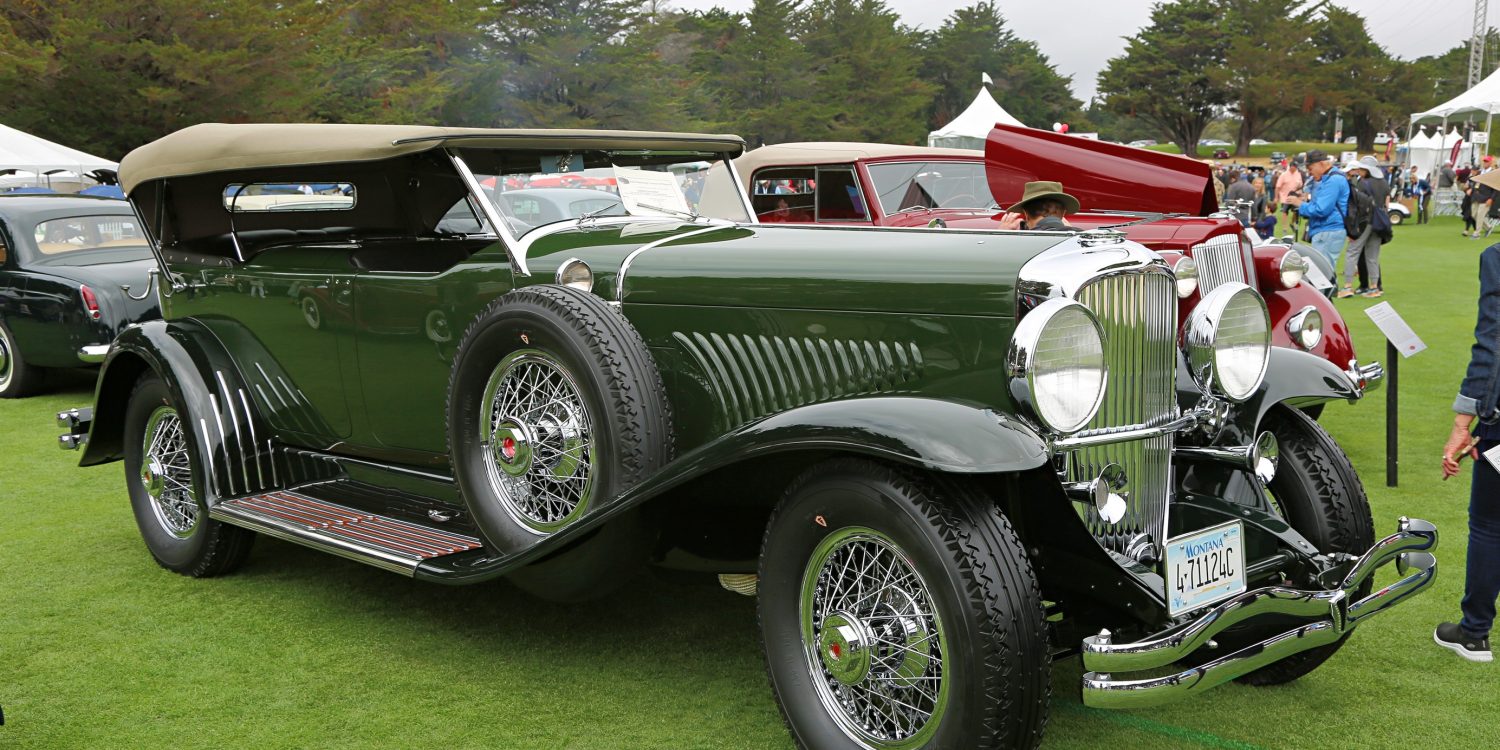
point(227, 431)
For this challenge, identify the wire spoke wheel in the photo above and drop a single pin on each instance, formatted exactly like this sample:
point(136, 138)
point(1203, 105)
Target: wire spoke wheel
point(537, 441)
point(7, 366)
point(873, 639)
point(166, 473)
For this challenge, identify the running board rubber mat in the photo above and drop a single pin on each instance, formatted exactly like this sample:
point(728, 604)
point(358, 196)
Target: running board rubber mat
point(381, 541)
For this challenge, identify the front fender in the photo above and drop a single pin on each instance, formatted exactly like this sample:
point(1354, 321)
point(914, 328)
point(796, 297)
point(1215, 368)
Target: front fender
point(226, 431)
point(1293, 377)
point(930, 433)
point(1298, 379)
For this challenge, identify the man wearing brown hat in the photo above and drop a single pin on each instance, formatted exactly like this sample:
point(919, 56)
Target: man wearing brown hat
point(1041, 208)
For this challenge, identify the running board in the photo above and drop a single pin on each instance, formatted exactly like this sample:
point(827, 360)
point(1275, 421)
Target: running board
point(388, 543)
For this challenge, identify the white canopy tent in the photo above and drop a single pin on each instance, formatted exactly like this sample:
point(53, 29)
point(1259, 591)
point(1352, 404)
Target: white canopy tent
point(1482, 99)
point(971, 128)
point(26, 159)
point(1425, 151)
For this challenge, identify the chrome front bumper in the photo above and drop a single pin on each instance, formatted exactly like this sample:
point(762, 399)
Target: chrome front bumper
point(1328, 615)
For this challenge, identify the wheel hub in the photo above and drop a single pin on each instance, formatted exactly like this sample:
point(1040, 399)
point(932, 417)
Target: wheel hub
point(512, 446)
point(845, 647)
point(154, 478)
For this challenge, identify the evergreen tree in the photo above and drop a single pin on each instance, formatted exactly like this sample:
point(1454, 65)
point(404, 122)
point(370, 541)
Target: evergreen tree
point(108, 75)
point(1266, 63)
point(975, 40)
point(1167, 74)
point(866, 73)
point(764, 84)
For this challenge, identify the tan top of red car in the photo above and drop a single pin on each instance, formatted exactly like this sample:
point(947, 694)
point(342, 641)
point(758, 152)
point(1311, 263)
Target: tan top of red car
point(830, 152)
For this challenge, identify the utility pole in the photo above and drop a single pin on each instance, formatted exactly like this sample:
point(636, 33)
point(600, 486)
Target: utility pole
point(1476, 45)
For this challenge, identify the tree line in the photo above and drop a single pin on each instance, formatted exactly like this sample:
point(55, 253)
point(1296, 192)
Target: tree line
point(108, 75)
point(1280, 69)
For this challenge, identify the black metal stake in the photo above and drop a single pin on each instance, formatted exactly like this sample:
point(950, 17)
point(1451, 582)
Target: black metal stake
point(1392, 413)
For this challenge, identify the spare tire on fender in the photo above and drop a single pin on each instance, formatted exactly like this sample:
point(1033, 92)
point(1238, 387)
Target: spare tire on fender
point(555, 407)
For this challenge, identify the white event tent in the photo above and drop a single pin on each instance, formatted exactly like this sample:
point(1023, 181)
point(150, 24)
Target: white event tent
point(972, 127)
point(1483, 98)
point(27, 159)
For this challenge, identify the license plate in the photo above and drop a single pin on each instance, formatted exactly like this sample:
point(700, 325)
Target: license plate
point(1205, 567)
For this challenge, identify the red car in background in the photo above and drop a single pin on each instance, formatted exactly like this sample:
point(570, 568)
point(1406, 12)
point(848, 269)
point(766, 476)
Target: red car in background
point(1162, 201)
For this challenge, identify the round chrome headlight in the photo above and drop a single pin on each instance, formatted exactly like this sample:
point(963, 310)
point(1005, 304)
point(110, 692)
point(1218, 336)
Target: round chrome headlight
point(1228, 341)
point(1306, 327)
point(1056, 365)
point(1293, 268)
point(1186, 271)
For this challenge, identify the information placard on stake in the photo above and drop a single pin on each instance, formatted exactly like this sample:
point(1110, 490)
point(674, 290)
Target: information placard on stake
point(1395, 329)
point(1399, 338)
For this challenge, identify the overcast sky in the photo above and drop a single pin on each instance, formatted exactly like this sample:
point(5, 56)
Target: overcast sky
point(1079, 37)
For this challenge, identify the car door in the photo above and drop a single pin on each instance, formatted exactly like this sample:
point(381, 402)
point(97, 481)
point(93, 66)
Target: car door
point(412, 298)
point(296, 300)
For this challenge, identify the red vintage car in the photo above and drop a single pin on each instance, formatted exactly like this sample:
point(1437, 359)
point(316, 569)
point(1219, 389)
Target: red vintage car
point(1162, 201)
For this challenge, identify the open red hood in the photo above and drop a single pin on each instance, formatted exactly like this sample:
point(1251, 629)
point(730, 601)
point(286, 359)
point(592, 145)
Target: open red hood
point(1102, 176)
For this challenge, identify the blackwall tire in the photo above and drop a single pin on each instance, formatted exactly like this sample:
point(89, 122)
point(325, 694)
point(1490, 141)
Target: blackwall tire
point(962, 599)
point(555, 406)
point(165, 482)
point(1318, 492)
point(17, 378)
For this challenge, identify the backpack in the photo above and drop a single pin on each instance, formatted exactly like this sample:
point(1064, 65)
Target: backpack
point(1361, 208)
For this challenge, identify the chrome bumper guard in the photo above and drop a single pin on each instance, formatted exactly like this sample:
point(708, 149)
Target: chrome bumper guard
point(1329, 616)
point(77, 423)
point(93, 353)
point(1366, 377)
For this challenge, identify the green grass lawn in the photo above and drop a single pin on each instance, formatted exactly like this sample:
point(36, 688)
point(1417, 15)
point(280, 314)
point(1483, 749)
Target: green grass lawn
point(100, 648)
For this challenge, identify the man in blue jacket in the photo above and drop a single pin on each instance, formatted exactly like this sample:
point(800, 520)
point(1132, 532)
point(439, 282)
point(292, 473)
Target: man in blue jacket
point(1478, 402)
point(1326, 208)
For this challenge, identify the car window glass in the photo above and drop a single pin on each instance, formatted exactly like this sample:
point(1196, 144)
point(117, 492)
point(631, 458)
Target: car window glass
point(460, 219)
point(785, 195)
point(839, 197)
point(4, 252)
point(288, 196)
point(75, 233)
point(930, 184)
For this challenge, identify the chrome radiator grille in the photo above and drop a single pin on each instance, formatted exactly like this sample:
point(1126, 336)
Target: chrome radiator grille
point(1220, 261)
point(1138, 313)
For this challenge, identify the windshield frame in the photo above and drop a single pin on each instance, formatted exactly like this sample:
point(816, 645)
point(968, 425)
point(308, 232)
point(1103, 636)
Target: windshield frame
point(516, 246)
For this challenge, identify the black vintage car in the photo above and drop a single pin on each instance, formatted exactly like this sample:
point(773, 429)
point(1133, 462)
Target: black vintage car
point(64, 263)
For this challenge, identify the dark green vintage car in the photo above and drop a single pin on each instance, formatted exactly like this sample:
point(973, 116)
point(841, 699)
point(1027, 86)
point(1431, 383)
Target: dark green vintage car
point(940, 458)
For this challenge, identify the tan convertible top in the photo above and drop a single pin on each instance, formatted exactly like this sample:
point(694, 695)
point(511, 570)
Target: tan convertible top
point(216, 147)
point(834, 152)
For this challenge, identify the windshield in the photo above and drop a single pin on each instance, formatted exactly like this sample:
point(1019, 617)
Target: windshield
point(531, 189)
point(930, 184)
point(77, 233)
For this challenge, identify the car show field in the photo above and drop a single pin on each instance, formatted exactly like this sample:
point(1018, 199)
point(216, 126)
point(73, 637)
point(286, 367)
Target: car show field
point(99, 646)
